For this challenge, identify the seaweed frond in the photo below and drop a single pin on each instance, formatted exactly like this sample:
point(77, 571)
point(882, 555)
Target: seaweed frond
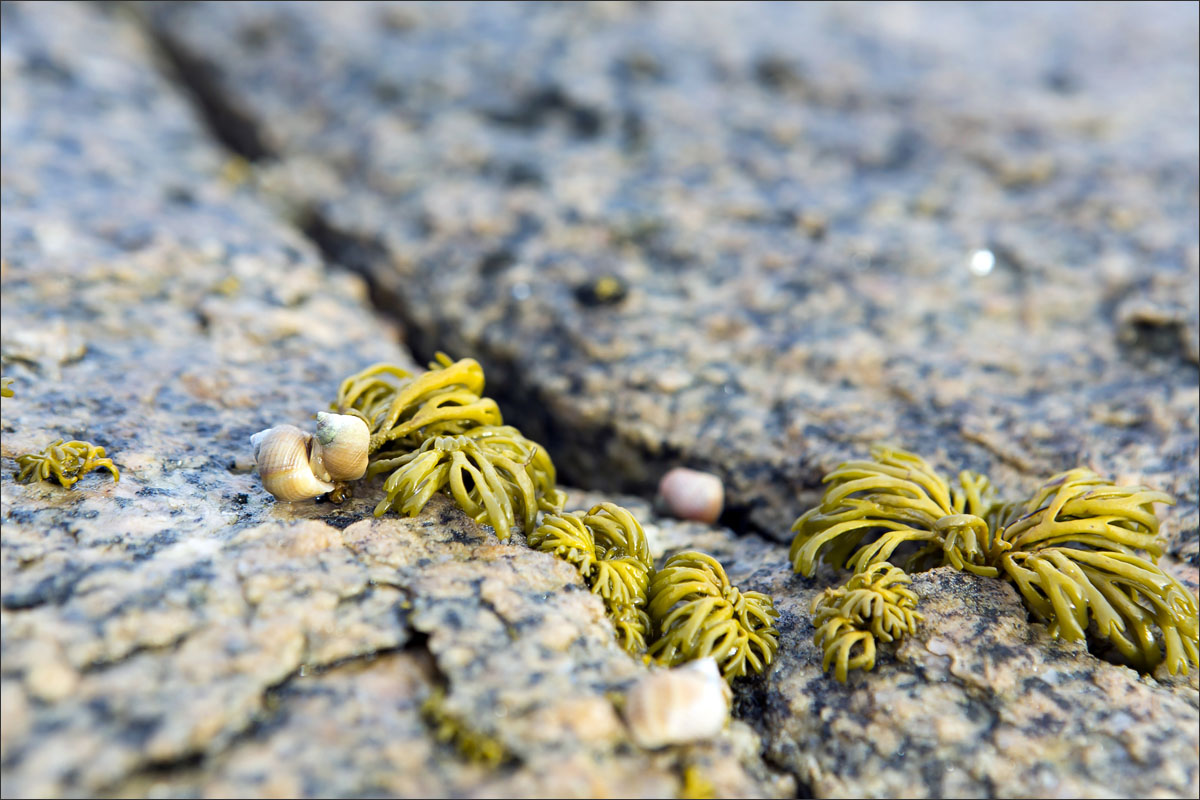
point(632, 625)
point(493, 473)
point(1081, 508)
point(608, 547)
point(449, 729)
point(619, 578)
point(1126, 596)
point(6, 387)
point(1085, 552)
point(698, 612)
point(67, 463)
point(898, 496)
point(405, 410)
point(616, 529)
point(873, 604)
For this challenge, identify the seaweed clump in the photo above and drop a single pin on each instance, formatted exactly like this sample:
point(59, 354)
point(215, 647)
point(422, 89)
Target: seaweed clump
point(1085, 557)
point(67, 463)
point(609, 548)
point(437, 432)
point(903, 500)
point(697, 612)
point(493, 473)
point(875, 603)
point(1081, 550)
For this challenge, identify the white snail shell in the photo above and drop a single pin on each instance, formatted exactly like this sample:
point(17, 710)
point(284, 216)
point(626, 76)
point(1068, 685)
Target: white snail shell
point(685, 704)
point(282, 454)
point(339, 451)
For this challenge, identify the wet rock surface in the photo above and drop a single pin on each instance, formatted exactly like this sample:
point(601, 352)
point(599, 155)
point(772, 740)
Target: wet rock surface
point(667, 244)
point(757, 239)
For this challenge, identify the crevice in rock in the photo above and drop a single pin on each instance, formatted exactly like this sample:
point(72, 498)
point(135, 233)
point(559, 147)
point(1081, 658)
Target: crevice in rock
point(575, 445)
point(231, 126)
point(572, 445)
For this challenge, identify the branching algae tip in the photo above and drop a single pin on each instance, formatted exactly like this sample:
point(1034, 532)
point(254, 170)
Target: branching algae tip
point(437, 432)
point(66, 463)
point(1082, 551)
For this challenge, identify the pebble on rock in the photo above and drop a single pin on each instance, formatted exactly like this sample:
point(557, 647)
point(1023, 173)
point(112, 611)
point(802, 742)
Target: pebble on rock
point(686, 704)
point(691, 494)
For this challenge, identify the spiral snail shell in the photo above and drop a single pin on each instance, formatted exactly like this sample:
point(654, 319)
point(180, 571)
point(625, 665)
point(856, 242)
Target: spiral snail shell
point(282, 454)
point(685, 704)
point(340, 450)
point(295, 465)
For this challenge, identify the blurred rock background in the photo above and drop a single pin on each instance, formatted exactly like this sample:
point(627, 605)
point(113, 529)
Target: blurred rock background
point(751, 239)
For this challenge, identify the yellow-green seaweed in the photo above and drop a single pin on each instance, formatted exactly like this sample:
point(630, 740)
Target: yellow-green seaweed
point(873, 604)
point(697, 612)
point(1082, 551)
point(6, 387)
point(609, 548)
point(1081, 508)
point(606, 566)
point(405, 410)
point(1077, 561)
point(632, 625)
point(493, 473)
point(899, 496)
point(67, 463)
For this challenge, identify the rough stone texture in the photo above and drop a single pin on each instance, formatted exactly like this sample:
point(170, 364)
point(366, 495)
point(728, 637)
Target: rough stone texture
point(980, 702)
point(790, 195)
point(178, 633)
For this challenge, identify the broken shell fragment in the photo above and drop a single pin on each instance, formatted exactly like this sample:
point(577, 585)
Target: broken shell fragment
point(694, 495)
point(340, 450)
point(282, 454)
point(685, 704)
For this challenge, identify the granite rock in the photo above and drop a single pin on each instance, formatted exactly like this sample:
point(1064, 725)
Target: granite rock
point(636, 206)
point(980, 702)
point(759, 239)
point(178, 633)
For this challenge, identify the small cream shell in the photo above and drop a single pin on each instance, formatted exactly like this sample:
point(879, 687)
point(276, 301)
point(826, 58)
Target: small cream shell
point(685, 704)
point(691, 494)
point(340, 449)
point(282, 455)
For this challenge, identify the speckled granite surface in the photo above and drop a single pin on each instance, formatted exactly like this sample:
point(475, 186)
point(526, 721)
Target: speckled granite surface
point(978, 703)
point(789, 212)
point(791, 197)
point(178, 633)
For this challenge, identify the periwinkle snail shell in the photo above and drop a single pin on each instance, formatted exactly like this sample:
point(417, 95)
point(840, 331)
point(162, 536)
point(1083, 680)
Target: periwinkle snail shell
point(340, 450)
point(282, 454)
